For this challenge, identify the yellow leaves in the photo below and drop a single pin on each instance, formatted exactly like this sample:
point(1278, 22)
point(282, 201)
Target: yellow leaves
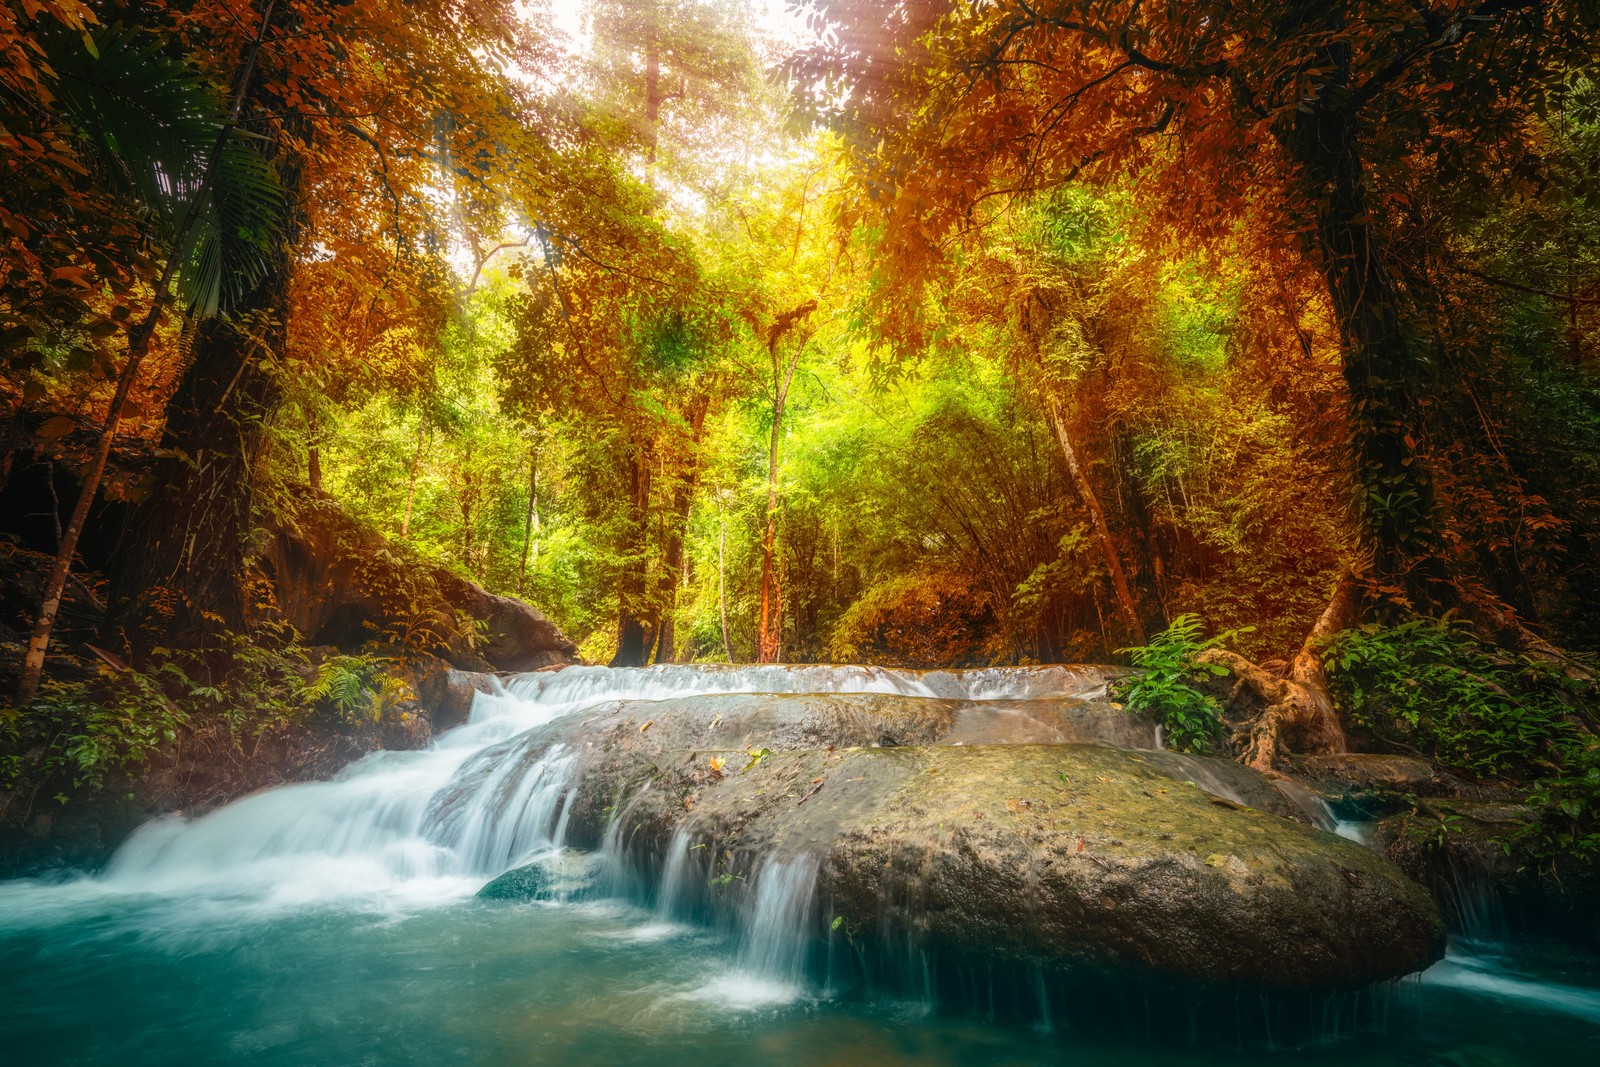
point(55, 428)
point(716, 763)
point(76, 276)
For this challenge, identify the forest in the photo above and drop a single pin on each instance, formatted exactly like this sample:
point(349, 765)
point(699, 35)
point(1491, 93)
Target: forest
point(1252, 351)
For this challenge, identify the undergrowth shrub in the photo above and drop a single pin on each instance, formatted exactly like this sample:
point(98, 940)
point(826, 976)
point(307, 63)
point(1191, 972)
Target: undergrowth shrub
point(1433, 687)
point(1165, 685)
point(356, 688)
point(926, 619)
point(79, 733)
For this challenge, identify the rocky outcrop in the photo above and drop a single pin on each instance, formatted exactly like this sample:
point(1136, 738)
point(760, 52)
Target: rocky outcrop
point(447, 693)
point(340, 583)
point(1356, 773)
point(1477, 860)
point(1069, 856)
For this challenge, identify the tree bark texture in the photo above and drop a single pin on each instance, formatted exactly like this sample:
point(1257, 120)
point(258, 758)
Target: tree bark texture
point(1127, 609)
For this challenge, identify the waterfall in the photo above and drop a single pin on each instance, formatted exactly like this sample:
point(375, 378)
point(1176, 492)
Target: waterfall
point(778, 933)
point(431, 826)
point(674, 875)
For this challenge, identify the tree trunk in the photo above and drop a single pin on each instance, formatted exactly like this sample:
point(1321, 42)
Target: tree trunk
point(139, 339)
point(1126, 607)
point(531, 524)
point(178, 567)
point(677, 529)
point(768, 626)
point(67, 547)
point(411, 490)
point(313, 456)
point(1384, 370)
point(722, 585)
point(633, 644)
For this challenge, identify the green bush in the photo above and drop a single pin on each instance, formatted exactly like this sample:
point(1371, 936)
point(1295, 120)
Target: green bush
point(91, 729)
point(1164, 687)
point(356, 688)
point(78, 733)
point(1433, 687)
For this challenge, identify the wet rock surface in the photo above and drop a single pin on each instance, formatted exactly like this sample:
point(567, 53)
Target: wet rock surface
point(1366, 772)
point(1475, 859)
point(1069, 855)
point(524, 883)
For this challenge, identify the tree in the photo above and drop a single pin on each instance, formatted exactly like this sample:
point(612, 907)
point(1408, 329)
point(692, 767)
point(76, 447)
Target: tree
point(1298, 119)
point(367, 109)
point(161, 138)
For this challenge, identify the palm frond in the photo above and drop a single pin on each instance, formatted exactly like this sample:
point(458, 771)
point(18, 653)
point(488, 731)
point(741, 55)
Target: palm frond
point(152, 125)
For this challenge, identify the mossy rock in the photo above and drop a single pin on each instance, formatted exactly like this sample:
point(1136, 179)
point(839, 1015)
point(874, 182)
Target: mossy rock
point(1080, 857)
point(531, 882)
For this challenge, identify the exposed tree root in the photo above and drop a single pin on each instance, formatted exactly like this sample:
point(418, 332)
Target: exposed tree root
point(1297, 710)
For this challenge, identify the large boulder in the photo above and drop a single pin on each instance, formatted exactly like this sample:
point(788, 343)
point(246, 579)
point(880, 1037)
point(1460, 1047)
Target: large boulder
point(447, 693)
point(517, 636)
point(1070, 856)
point(341, 583)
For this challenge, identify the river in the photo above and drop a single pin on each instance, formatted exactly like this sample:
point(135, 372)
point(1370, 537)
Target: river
point(337, 923)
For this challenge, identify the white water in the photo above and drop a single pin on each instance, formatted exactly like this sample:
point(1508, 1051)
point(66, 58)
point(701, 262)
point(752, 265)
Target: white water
point(402, 831)
point(408, 829)
point(1495, 979)
point(771, 966)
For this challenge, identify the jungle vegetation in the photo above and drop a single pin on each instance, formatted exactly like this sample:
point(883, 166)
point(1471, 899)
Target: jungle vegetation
point(925, 333)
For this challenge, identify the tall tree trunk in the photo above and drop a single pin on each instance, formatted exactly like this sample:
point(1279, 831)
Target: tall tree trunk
point(722, 584)
point(672, 568)
point(633, 644)
point(179, 565)
point(1385, 370)
point(313, 455)
point(1127, 610)
point(769, 623)
point(139, 339)
point(530, 526)
point(411, 489)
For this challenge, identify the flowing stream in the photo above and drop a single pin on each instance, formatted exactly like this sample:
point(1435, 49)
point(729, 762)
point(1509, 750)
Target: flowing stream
point(336, 922)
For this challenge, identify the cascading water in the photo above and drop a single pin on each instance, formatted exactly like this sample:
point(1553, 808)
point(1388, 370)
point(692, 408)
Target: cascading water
point(359, 887)
point(435, 824)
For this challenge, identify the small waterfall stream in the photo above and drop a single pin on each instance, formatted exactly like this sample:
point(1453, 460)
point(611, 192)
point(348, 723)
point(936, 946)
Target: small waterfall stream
point(486, 796)
point(400, 835)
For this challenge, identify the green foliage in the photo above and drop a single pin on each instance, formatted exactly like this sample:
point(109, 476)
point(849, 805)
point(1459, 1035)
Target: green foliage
point(92, 729)
point(78, 733)
point(1432, 686)
point(152, 125)
point(356, 688)
point(1165, 685)
point(923, 619)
